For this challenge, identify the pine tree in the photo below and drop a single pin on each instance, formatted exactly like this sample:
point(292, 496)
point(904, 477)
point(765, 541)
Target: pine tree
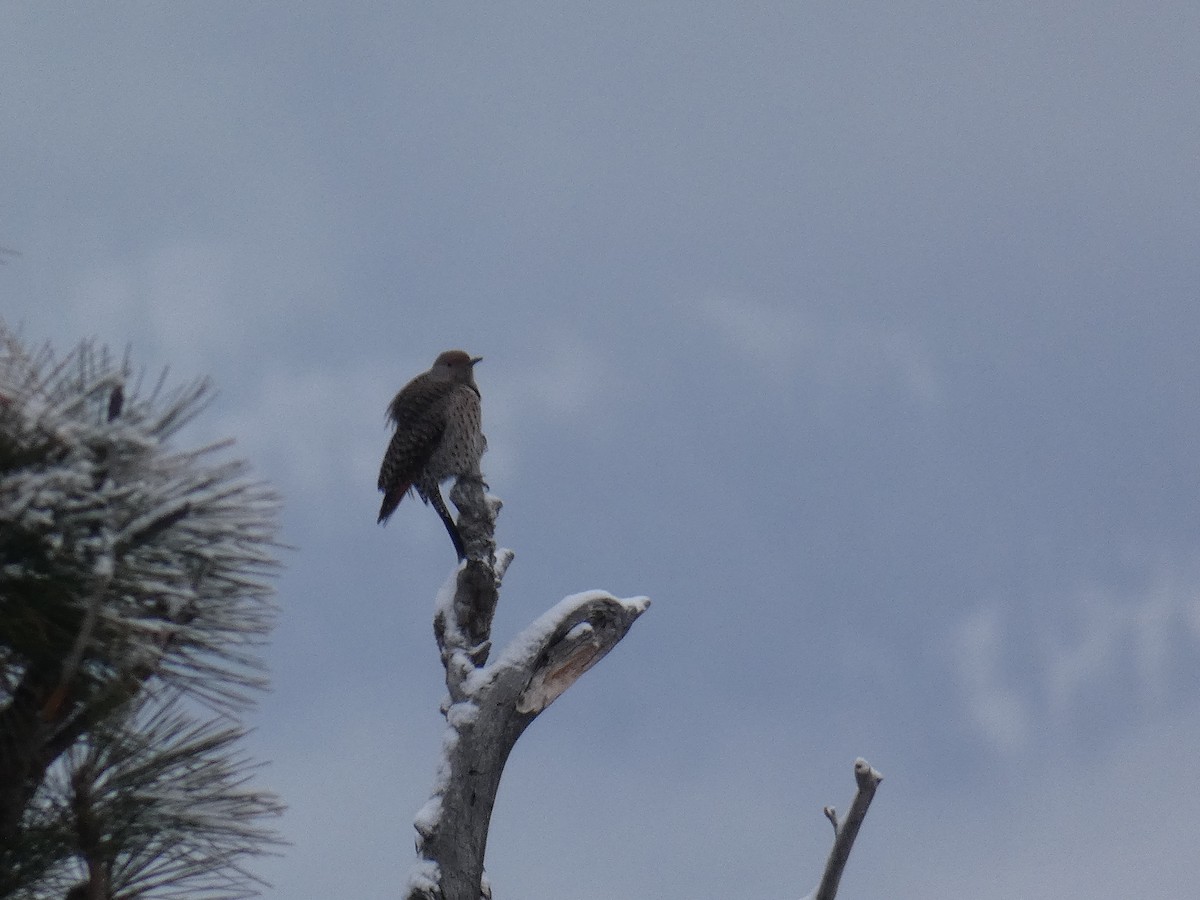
point(134, 593)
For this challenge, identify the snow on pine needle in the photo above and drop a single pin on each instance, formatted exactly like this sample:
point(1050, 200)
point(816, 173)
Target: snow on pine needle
point(124, 556)
point(135, 579)
point(180, 818)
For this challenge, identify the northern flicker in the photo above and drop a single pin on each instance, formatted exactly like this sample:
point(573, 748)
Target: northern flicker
point(438, 436)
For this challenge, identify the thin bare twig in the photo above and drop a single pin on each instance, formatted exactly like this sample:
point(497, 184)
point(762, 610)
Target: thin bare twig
point(846, 830)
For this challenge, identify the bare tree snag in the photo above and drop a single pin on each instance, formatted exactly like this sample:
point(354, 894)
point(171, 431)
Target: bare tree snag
point(491, 705)
point(845, 831)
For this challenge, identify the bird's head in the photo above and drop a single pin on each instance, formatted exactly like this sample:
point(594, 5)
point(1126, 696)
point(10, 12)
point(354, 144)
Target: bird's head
point(456, 365)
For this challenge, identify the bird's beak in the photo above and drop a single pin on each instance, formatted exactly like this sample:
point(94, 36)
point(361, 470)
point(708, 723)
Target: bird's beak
point(475, 359)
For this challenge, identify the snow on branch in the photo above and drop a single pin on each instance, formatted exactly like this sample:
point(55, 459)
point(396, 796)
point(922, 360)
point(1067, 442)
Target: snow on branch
point(490, 705)
point(562, 644)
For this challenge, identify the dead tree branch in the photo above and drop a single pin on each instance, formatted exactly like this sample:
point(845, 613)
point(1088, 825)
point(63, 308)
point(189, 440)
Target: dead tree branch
point(491, 705)
point(846, 830)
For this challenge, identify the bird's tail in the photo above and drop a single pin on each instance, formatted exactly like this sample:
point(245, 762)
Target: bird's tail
point(391, 499)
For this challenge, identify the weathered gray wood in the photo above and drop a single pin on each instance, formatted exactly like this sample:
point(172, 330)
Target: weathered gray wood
point(491, 705)
point(846, 831)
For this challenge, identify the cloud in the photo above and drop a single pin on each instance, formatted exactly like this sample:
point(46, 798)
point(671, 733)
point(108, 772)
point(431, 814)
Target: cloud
point(321, 428)
point(562, 379)
point(562, 375)
point(993, 708)
point(839, 353)
point(1117, 822)
point(1042, 673)
point(194, 302)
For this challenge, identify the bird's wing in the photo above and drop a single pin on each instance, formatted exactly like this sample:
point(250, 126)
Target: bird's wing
point(408, 453)
point(417, 398)
point(417, 434)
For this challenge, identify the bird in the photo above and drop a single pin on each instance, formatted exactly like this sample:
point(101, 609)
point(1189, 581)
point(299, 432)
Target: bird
point(438, 436)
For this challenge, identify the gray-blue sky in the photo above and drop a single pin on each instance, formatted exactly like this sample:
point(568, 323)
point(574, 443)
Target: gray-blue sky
point(861, 337)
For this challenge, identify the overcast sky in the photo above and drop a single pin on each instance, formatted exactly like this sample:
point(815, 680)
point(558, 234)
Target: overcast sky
point(862, 337)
